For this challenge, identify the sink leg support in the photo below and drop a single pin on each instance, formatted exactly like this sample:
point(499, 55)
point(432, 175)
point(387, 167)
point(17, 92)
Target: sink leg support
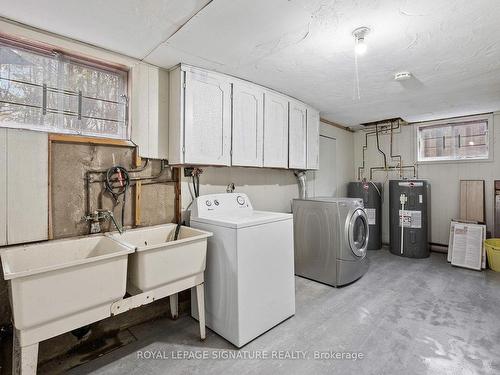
point(174, 305)
point(200, 297)
point(24, 358)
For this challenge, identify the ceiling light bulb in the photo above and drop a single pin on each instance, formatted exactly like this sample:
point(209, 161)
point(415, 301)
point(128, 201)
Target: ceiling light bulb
point(359, 40)
point(360, 47)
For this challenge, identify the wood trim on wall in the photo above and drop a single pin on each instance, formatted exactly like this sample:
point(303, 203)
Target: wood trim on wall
point(69, 138)
point(331, 123)
point(138, 192)
point(50, 234)
point(176, 175)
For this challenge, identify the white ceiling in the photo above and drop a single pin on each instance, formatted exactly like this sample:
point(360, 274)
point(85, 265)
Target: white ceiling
point(131, 27)
point(304, 48)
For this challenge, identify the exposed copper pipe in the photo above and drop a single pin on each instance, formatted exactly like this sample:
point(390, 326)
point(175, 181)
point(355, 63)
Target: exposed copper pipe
point(399, 155)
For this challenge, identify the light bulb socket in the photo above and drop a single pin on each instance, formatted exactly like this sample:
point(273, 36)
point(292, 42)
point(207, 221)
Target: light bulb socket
point(360, 32)
point(359, 39)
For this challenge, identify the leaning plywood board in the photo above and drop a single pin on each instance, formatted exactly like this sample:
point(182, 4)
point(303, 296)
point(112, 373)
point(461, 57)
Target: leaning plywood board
point(468, 248)
point(3, 187)
point(472, 200)
point(27, 186)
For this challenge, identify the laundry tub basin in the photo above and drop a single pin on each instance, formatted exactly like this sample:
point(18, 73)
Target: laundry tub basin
point(65, 283)
point(159, 260)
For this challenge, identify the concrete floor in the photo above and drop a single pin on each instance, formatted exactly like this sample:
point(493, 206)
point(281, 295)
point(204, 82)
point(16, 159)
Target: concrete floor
point(405, 316)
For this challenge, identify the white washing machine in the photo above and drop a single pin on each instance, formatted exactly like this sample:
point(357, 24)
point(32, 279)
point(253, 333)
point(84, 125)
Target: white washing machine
point(249, 279)
point(331, 238)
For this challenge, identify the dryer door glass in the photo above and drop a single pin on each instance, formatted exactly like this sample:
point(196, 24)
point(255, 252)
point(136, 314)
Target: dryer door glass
point(358, 233)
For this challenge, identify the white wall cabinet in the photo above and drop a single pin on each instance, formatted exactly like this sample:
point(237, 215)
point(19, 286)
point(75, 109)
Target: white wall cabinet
point(200, 117)
point(215, 119)
point(275, 130)
point(312, 138)
point(149, 112)
point(248, 125)
point(23, 186)
point(297, 158)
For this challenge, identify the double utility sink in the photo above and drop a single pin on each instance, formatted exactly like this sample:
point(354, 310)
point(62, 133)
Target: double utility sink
point(60, 285)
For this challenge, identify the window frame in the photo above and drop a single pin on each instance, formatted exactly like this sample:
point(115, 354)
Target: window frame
point(488, 117)
point(78, 59)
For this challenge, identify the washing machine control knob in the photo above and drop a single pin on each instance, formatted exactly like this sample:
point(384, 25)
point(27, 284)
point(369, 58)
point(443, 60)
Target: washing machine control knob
point(208, 203)
point(240, 200)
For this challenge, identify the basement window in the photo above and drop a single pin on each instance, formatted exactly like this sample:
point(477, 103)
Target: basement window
point(454, 140)
point(49, 91)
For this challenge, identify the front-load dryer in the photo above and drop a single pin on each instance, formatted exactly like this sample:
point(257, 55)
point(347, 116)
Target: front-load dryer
point(330, 239)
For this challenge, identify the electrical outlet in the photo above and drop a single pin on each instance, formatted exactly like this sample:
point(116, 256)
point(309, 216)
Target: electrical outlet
point(188, 172)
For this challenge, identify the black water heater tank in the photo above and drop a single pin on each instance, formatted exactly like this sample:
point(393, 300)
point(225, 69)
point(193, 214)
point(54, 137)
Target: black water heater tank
point(409, 217)
point(371, 193)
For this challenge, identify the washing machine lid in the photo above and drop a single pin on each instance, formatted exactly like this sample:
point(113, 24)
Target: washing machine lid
point(357, 232)
point(237, 221)
point(231, 210)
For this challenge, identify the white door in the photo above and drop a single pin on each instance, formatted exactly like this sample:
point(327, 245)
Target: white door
point(27, 186)
point(312, 139)
point(323, 182)
point(248, 125)
point(207, 126)
point(297, 136)
point(275, 131)
point(3, 187)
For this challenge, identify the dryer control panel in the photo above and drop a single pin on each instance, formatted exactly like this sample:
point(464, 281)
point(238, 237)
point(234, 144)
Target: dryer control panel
point(219, 204)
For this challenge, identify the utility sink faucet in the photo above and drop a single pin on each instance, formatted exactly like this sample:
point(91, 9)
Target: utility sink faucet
point(101, 214)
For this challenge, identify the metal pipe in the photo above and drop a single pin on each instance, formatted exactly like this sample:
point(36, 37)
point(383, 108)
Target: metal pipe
point(46, 110)
point(396, 156)
point(301, 179)
point(59, 91)
point(365, 147)
point(378, 146)
point(151, 180)
point(374, 169)
point(385, 167)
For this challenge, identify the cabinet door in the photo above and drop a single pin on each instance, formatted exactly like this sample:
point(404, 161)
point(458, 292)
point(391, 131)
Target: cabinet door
point(297, 136)
point(27, 186)
point(139, 102)
point(248, 125)
point(207, 122)
point(3, 187)
point(158, 113)
point(275, 131)
point(312, 138)
point(150, 110)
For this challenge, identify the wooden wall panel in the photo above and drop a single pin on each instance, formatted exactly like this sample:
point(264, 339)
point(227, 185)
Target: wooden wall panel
point(472, 200)
point(27, 186)
point(3, 187)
